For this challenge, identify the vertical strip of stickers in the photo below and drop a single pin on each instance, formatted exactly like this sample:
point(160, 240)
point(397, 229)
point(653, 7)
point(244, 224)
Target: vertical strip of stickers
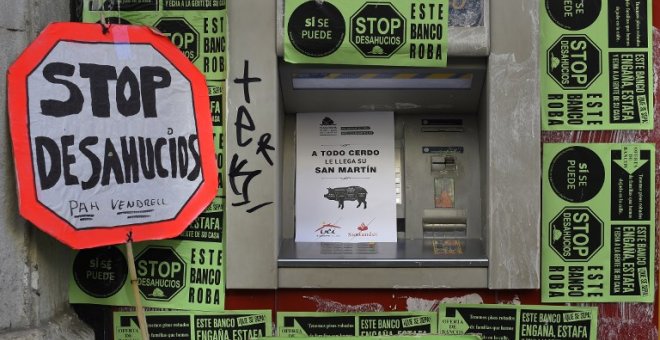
point(516, 322)
point(596, 65)
point(188, 271)
point(234, 325)
point(598, 236)
point(377, 32)
point(302, 324)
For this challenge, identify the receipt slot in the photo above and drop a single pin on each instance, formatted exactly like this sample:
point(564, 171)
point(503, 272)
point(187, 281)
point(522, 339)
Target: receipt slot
point(467, 159)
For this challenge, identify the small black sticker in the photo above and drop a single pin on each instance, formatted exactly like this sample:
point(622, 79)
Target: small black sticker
point(573, 15)
point(323, 325)
point(379, 325)
point(235, 326)
point(161, 273)
point(489, 323)
point(216, 108)
point(576, 234)
point(207, 227)
point(627, 23)
point(378, 30)
point(124, 5)
point(182, 34)
point(629, 91)
point(629, 260)
point(194, 5)
point(631, 189)
point(168, 326)
point(100, 272)
point(553, 324)
point(574, 62)
point(316, 30)
point(576, 174)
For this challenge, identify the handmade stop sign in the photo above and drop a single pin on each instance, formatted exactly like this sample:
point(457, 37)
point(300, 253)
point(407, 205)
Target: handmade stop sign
point(112, 134)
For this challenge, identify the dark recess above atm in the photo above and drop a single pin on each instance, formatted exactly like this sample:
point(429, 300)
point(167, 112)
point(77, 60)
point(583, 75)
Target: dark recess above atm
point(329, 88)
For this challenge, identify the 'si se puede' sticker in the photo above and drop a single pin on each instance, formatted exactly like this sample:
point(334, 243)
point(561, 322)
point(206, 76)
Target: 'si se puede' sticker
point(596, 71)
point(598, 222)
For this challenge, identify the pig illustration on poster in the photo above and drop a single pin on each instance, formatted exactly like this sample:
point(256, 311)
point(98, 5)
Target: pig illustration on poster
point(352, 193)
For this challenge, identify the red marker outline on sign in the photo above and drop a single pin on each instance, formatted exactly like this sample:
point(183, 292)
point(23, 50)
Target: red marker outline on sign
point(45, 219)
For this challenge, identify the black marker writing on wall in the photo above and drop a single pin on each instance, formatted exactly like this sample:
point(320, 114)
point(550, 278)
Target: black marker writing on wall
point(239, 169)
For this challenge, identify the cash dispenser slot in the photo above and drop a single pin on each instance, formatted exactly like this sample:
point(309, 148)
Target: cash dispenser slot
point(437, 150)
point(444, 219)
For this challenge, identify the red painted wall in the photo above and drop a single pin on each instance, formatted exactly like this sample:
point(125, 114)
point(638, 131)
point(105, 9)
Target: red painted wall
point(616, 321)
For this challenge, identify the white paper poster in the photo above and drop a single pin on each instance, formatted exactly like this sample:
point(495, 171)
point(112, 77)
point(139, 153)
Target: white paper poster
point(345, 177)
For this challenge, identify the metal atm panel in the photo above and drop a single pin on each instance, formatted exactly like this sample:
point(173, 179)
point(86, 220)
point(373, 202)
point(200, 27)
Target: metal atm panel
point(501, 221)
point(447, 130)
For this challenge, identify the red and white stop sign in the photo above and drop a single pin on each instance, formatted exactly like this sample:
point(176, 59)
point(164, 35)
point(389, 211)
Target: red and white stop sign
point(111, 134)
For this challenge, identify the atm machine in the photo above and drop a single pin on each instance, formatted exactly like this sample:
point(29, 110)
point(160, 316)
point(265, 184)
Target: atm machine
point(467, 152)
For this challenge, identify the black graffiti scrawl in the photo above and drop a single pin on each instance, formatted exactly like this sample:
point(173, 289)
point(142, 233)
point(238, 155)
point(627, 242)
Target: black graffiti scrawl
point(352, 193)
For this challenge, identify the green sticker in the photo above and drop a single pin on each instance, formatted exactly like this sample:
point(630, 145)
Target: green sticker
point(517, 322)
point(300, 324)
point(233, 325)
point(197, 27)
point(598, 228)
point(186, 272)
point(375, 32)
point(596, 65)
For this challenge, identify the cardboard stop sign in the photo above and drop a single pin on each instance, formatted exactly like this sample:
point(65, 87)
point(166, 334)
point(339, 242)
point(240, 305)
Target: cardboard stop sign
point(111, 135)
